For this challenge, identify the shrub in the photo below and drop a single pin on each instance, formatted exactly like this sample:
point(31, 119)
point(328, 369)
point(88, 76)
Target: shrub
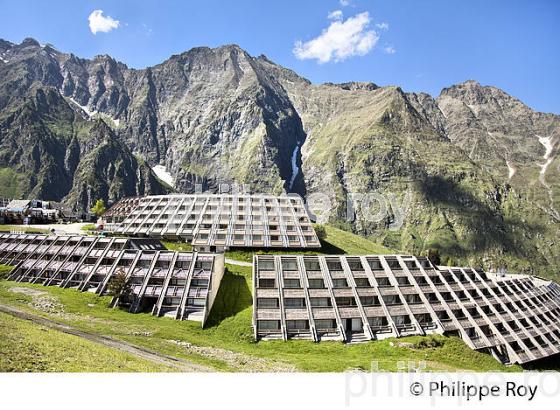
point(433, 256)
point(119, 286)
point(99, 208)
point(428, 343)
point(321, 232)
point(5, 271)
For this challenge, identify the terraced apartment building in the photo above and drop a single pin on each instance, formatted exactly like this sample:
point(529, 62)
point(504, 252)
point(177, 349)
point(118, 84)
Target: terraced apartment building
point(217, 221)
point(359, 298)
point(182, 285)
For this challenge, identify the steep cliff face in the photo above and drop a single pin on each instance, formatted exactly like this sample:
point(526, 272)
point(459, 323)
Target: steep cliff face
point(220, 119)
point(472, 172)
point(51, 152)
point(405, 158)
point(507, 138)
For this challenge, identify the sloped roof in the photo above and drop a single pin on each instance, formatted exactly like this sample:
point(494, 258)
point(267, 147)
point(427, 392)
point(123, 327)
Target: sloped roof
point(18, 205)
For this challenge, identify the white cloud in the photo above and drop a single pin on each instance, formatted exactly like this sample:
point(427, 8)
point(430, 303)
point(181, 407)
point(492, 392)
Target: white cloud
point(98, 23)
point(147, 30)
point(382, 26)
point(335, 15)
point(341, 40)
point(344, 3)
point(389, 50)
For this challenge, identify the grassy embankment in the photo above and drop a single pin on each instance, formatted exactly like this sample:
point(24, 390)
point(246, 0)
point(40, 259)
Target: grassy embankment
point(337, 242)
point(28, 347)
point(21, 228)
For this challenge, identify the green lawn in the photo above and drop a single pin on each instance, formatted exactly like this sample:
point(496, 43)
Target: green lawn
point(353, 244)
point(177, 246)
point(8, 228)
point(337, 242)
point(229, 328)
point(28, 347)
point(4, 271)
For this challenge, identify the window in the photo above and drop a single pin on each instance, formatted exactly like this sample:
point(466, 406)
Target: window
point(383, 282)
point(403, 281)
point(461, 295)
point(289, 264)
point(355, 265)
point(325, 323)
point(295, 303)
point(459, 313)
point(268, 324)
point(345, 301)
point(182, 264)
point(442, 315)
point(270, 303)
point(401, 320)
point(312, 265)
point(369, 300)
point(291, 283)
point(362, 282)
point(196, 302)
point(316, 283)
point(374, 264)
point(378, 321)
point(413, 299)
point(199, 282)
point(421, 280)
point(266, 265)
point(424, 318)
point(392, 300)
point(340, 283)
point(471, 332)
point(320, 302)
point(393, 264)
point(447, 296)
point(267, 283)
point(334, 265)
point(297, 324)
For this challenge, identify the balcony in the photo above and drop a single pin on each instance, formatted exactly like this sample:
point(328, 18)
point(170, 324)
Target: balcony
point(406, 328)
point(478, 342)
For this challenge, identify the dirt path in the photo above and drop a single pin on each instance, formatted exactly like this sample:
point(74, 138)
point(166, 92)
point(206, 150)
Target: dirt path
point(179, 364)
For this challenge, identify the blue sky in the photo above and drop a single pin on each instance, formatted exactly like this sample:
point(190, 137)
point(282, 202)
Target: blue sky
point(427, 45)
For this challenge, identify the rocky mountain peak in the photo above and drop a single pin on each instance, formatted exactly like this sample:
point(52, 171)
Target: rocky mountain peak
point(77, 129)
point(30, 42)
point(473, 93)
point(355, 85)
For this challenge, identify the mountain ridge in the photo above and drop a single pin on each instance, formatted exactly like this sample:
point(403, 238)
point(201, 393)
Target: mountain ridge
point(476, 167)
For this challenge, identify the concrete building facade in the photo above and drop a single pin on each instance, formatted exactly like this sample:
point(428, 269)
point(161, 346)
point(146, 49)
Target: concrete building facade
point(360, 298)
point(182, 285)
point(217, 222)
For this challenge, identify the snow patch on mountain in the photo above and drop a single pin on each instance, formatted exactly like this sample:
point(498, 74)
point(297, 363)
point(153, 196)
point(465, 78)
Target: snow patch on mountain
point(547, 144)
point(511, 170)
point(84, 108)
point(162, 173)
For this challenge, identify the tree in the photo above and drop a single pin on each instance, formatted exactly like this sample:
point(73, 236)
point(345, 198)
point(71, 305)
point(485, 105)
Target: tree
point(99, 208)
point(119, 286)
point(321, 232)
point(433, 256)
